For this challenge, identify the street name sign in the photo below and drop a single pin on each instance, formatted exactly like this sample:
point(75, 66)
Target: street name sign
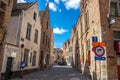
point(100, 58)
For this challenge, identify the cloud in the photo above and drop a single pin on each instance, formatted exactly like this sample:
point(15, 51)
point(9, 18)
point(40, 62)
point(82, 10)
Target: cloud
point(60, 10)
point(21, 1)
point(47, 0)
point(71, 4)
point(57, 1)
point(52, 6)
point(59, 30)
point(64, 0)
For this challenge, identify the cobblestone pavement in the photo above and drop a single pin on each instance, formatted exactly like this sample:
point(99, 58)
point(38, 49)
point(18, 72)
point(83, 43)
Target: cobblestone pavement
point(56, 72)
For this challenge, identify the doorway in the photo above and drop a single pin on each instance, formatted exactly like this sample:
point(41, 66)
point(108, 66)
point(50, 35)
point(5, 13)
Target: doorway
point(8, 72)
point(41, 60)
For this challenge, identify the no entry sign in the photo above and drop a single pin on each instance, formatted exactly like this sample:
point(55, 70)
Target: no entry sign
point(99, 51)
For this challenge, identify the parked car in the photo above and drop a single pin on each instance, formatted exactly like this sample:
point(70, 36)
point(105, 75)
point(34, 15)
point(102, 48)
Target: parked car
point(62, 62)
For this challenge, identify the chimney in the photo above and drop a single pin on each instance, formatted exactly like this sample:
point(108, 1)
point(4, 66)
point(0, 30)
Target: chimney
point(14, 3)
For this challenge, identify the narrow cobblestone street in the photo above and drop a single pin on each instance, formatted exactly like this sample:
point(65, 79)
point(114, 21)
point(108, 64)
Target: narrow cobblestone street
point(56, 72)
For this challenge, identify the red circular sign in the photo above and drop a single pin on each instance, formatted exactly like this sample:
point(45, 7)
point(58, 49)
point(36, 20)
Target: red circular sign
point(22, 45)
point(99, 51)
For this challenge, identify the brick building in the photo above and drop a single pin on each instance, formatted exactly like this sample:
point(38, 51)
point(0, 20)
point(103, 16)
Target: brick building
point(45, 38)
point(52, 48)
point(99, 18)
point(5, 11)
point(67, 51)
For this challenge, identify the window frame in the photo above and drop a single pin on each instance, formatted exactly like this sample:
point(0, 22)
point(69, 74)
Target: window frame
point(36, 36)
point(34, 58)
point(118, 7)
point(26, 56)
point(28, 31)
point(35, 16)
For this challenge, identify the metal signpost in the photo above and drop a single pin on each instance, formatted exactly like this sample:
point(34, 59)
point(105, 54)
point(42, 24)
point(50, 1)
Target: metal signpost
point(100, 55)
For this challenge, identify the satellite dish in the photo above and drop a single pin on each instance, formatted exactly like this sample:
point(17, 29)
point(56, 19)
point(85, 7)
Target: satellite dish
point(112, 21)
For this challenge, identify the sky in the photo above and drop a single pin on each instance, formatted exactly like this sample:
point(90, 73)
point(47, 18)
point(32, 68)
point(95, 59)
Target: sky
point(63, 16)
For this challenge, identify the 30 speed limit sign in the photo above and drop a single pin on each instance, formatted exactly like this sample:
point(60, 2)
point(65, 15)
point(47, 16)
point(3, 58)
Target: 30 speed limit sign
point(99, 51)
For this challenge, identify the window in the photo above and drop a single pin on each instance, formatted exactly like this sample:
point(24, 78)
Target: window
point(30, 57)
point(34, 16)
point(43, 40)
point(81, 27)
point(47, 25)
point(86, 21)
point(88, 45)
point(82, 53)
point(34, 58)
point(46, 40)
point(116, 34)
point(28, 32)
point(36, 36)
point(26, 53)
point(114, 8)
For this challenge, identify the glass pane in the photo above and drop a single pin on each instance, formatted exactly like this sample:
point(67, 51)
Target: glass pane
point(113, 9)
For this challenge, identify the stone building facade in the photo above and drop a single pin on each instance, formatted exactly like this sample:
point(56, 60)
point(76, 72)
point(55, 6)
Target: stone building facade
point(67, 52)
point(102, 21)
point(52, 48)
point(58, 54)
point(5, 12)
point(75, 47)
point(22, 41)
point(45, 45)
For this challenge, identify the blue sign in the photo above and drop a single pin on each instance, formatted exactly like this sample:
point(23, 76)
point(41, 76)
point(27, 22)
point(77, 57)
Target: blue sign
point(22, 65)
point(94, 39)
point(100, 58)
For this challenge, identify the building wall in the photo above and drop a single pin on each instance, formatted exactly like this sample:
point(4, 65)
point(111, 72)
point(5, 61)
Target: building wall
point(52, 48)
point(45, 38)
point(94, 29)
point(30, 44)
point(11, 44)
point(109, 38)
point(98, 26)
point(4, 18)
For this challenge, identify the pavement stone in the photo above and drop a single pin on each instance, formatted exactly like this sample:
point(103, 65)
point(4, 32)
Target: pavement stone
point(56, 72)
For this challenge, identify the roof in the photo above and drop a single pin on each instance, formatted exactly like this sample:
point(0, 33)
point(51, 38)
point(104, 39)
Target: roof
point(21, 6)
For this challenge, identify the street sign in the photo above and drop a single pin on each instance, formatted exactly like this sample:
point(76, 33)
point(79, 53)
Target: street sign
point(95, 43)
point(99, 51)
point(93, 49)
point(22, 65)
point(100, 58)
point(98, 44)
point(102, 44)
point(94, 39)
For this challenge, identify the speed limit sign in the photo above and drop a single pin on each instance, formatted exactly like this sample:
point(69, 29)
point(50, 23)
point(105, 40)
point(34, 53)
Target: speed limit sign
point(99, 51)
